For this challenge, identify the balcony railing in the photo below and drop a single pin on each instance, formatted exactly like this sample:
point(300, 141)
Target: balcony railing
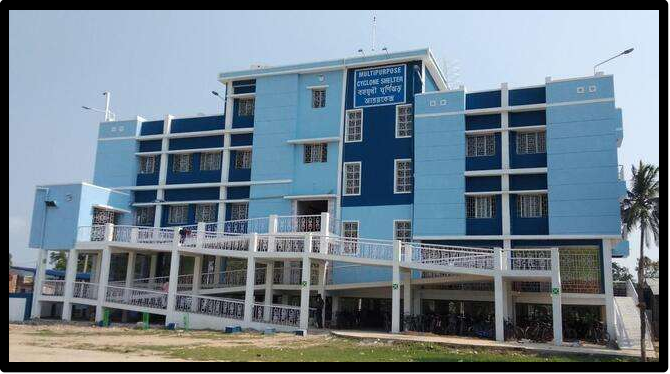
point(85, 290)
point(136, 296)
point(529, 259)
point(53, 287)
point(308, 223)
point(451, 256)
point(210, 306)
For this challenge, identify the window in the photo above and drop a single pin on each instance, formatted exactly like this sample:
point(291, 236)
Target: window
point(243, 159)
point(239, 211)
point(480, 206)
point(245, 107)
point(315, 153)
point(531, 142)
point(350, 231)
point(178, 214)
point(402, 230)
point(529, 206)
point(404, 121)
point(480, 145)
point(352, 178)
point(205, 213)
point(182, 163)
point(403, 176)
point(210, 161)
point(147, 164)
point(319, 98)
point(144, 216)
point(354, 128)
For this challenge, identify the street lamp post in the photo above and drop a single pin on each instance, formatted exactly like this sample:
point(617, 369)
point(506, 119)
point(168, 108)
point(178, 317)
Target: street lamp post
point(629, 50)
point(109, 115)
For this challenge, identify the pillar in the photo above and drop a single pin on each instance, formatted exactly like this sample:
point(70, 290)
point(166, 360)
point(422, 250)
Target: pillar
point(250, 280)
point(305, 283)
point(130, 276)
point(153, 264)
point(174, 279)
point(102, 281)
point(407, 292)
point(70, 278)
point(197, 279)
point(499, 295)
point(40, 273)
point(217, 269)
point(267, 302)
point(556, 304)
point(395, 289)
point(273, 225)
point(609, 292)
point(335, 306)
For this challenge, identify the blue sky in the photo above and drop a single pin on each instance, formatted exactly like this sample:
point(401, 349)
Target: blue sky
point(159, 62)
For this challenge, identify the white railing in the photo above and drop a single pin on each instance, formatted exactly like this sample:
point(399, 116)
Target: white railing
point(284, 315)
point(155, 235)
point(122, 234)
point(360, 248)
point(225, 241)
point(307, 223)
point(94, 233)
point(242, 226)
point(444, 255)
point(136, 296)
point(52, 287)
point(334, 225)
point(85, 290)
point(529, 259)
point(230, 278)
point(294, 275)
point(210, 306)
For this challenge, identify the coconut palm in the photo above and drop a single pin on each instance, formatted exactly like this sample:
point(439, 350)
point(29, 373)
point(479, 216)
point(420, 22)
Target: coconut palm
point(639, 209)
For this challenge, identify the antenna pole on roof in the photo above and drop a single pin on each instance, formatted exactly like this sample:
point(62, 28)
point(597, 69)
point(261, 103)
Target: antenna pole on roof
point(374, 27)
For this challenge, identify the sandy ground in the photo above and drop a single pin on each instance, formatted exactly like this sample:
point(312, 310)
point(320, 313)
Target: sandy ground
point(83, 342)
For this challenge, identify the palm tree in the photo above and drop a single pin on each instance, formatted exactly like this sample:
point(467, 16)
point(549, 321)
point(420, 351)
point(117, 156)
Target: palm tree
point(640, 209)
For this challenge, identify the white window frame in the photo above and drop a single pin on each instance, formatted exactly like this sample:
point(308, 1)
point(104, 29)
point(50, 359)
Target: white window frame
point(246, 106)
point(210, 161)
point(395, 229)
point(487, 137)
point(411, 122)
point(530, 209)
point(242, 161)
point(145, 209)
point(395, 175)
point(142, 164)
point(176, 166)
point(171, 216)
point(346, 126)
point(320, 150)
point(525, 150)
point(321, 101)
point(235, 215)
point(212, 213)
point(345, 180)
point(477, 208)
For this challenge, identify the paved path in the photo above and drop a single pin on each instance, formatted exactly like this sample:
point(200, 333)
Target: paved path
point(630, 331)
point(475, 342)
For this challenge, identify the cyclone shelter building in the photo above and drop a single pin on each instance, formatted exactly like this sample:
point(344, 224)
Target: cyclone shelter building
point(363, 180)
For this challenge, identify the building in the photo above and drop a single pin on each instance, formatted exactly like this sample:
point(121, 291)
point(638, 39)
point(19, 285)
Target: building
point(21, 279)
point(364, 180)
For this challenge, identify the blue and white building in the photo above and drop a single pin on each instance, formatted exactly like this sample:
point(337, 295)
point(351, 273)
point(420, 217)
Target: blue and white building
point(364, 180)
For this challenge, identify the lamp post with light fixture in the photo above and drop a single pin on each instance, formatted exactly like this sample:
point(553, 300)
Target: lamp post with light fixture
point(629, 50)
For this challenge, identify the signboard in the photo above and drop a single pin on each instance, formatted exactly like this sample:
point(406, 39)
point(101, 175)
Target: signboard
point(555, 291)
point(395, 286)
point(379, 86)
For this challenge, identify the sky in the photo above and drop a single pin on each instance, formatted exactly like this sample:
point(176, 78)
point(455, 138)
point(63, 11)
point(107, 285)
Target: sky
point(160, 62)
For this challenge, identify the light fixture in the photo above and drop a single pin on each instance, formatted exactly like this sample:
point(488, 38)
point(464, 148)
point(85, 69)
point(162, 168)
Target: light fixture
point(627, 51)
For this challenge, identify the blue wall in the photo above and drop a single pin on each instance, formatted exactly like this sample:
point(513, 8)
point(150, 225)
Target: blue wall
point(582, 158)
point(198, 142)
point(482, 184)
point(479, 100)
point(439, 165)
point(205, 123)
point(527, 96)
point(529, 118)
point(238, 175)
point(152, 127)
point(486, 226)
point(484, 121)
point(486, 162)
point(242, 121)
point(115, 161)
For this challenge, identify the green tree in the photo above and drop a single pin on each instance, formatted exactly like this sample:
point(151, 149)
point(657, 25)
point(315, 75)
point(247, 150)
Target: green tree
point(651, 268)
point(58, 260)
point(639, 209)
point(620, 273)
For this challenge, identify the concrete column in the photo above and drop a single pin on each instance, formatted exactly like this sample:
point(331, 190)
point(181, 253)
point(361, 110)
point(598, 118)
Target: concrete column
point(173, 285)
point(96, 265)
point(499, 294)
point(273, 221)
point(416, 300)
point(197, 279)
point(217, 269)
point(251, 280)
point(287, 272)
point(556, 304)
point(608, 284)
point(102, 282)
point(335, 307)
point(70, 278)
point(163, 169)
point(407, 292)
point(130, 276)
point(153, 264)
point(40, 272)
point(267, 302)
point(304, 289)
point(395, 289)
point(200, 234)
point(134, 234)
point(325, 230)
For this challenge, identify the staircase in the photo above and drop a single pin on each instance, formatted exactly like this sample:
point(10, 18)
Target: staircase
point(627, 321)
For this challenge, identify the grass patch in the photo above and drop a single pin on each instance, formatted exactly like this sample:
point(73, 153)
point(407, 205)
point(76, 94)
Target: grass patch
point(344, 350)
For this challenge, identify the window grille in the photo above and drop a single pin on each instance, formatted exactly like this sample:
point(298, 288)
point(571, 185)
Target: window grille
point(147, 164)
point(352, 178)
point(480, 206)
point(182, 163)
point(319, 98)
point(354, 129)
point(246, 107)
point(315, 153)
point(402, 230)
point(210, 161)
point(580, 270)
point(239, 211)
point(205, 213)
point(144, 216)
point(403, 176)
point(480, 145)
point(531, 142)
point(529, 206)
point(243, 159)
point(404, 121)
point(178, 214)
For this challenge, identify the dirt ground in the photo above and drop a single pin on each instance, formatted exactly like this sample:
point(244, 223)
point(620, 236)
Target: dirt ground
point(83, 342)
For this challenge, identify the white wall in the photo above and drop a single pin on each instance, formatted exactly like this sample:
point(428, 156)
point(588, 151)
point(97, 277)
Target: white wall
point(17, 307)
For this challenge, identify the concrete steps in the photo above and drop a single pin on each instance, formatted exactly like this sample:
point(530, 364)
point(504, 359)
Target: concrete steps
point(628, 324)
